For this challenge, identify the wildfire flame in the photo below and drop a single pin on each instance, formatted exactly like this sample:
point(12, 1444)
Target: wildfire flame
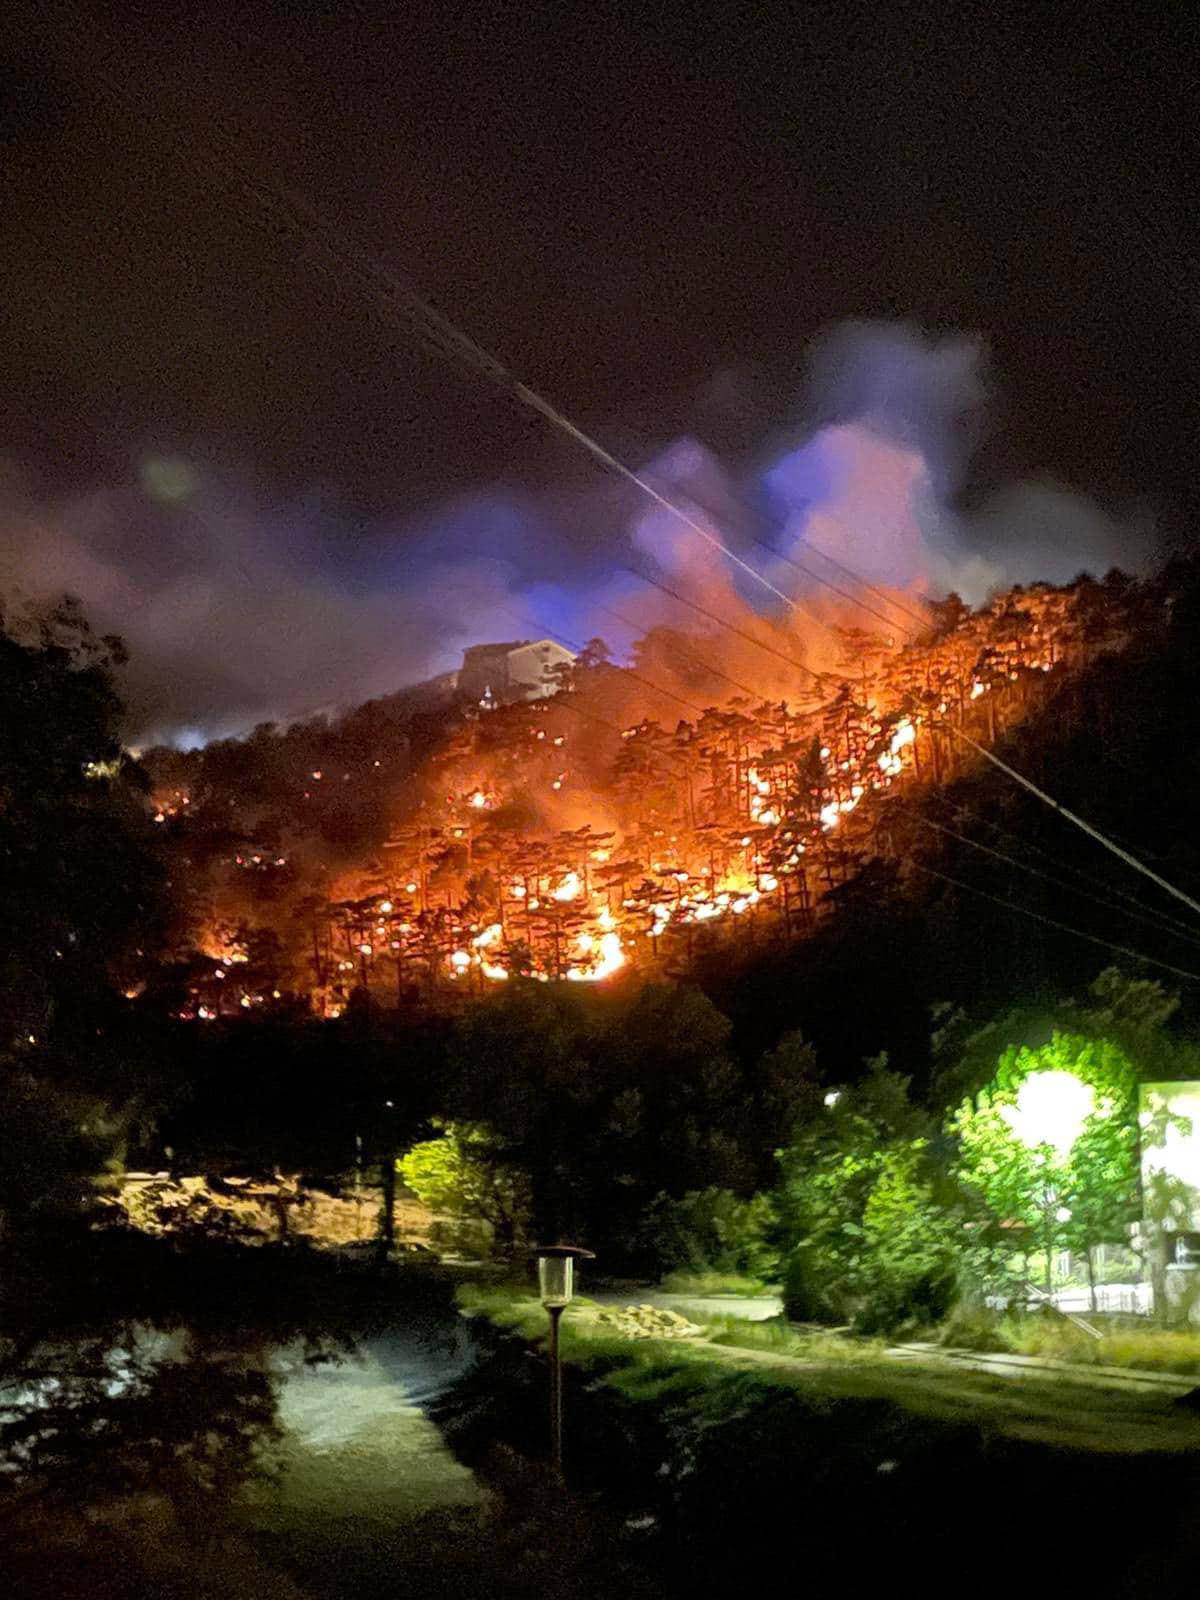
point(667, 836)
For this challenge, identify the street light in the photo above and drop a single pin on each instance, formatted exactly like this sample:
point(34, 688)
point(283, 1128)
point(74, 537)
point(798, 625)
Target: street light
point(1050, 1111)
point(556, 1284)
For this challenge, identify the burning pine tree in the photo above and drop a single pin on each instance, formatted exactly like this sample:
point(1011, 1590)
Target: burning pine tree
point(567, 837)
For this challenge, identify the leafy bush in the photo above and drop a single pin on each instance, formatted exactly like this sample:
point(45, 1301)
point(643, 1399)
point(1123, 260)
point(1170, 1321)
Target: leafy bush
point(873, 1238)
point(56, 1149)
point(713, 1231)
point(970, 1326)
point(483, 1200)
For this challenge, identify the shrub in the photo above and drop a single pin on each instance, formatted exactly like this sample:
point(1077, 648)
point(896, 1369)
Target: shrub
point(482, 1199)
point(898, 1302)
point(971, 1326)
point(874, 1234)
point(713, 1231)
point(56, 1149)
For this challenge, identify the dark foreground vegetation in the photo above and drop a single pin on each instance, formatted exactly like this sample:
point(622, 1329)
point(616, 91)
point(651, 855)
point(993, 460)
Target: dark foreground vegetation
point(720, 1475)
point(157, 1435)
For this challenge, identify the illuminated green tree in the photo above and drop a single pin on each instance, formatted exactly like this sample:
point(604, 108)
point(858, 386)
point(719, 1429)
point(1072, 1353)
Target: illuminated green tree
point(465, 1177)
point(1050, 1147)
point(912, 1231)
point(869, 1234)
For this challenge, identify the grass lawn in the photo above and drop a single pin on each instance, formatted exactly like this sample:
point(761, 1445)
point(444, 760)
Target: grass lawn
point(1125, 1341)
point(1040, 1409)
point(1069, 1413)
point(704, 1285)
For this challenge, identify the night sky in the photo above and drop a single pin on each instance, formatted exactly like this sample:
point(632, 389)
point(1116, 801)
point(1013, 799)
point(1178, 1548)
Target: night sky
point(649, 221)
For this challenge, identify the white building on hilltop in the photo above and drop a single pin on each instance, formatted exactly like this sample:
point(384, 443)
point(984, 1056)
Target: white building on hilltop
point(521, 669)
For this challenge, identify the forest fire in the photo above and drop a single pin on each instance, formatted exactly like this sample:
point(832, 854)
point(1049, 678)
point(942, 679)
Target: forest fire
point(574, 836)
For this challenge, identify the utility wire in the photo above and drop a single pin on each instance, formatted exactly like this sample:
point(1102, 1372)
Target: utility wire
point(872, 588)
point(723, 622)
point(1027, 783)
point(681, 651)
point(1060, 883)
point(1062, 927)
point(816, 576)
point(1080, 822)
point(398, 298)
point(1165, 918)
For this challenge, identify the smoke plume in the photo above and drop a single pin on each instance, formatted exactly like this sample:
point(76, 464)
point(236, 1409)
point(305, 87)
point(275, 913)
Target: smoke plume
point(236, 612)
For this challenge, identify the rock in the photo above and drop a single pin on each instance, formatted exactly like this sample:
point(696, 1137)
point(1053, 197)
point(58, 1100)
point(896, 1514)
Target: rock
point(648, 1322)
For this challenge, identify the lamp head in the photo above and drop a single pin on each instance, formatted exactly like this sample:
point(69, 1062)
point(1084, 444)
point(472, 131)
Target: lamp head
point(1051, 1109)
point(556, 1272)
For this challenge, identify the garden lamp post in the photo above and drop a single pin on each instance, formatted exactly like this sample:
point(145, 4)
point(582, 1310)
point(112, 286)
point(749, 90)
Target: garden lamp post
point(556, 1284)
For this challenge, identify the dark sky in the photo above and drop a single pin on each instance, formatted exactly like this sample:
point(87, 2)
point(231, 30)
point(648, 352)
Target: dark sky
point(648, 219)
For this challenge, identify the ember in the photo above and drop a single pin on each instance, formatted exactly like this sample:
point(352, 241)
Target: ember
point(733, 822)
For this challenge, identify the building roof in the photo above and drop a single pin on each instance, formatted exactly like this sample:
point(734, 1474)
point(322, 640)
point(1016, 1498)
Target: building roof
point(478, 651)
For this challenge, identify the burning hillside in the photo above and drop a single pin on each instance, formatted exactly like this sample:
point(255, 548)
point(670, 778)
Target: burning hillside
point(639, 816)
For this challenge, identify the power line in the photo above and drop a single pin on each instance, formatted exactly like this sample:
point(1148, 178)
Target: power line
point(1026, 783)
point(872, 588)
point(397, 296)
point(1062, 927)
point(1047, 877)
point(1164, 918)
point(816, 576)
point(681, 651)
point(1080, 822)
point(731, 627)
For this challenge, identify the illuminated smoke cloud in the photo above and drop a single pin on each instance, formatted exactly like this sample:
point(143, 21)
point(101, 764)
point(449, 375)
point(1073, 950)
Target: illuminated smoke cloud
point(236, 613)
point(895, 419)
point(229, 613)
point(857, 497)
point(931, 396)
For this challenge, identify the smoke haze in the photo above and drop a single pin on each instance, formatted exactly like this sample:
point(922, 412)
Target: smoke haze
point(235, 611)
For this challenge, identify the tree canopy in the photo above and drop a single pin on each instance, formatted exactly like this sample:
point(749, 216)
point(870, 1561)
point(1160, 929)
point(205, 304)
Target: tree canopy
point(1056, 1164)
point(84, 886)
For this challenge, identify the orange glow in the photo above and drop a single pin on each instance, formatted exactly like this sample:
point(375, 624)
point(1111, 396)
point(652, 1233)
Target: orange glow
point(664, 837)
point(607, 958)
